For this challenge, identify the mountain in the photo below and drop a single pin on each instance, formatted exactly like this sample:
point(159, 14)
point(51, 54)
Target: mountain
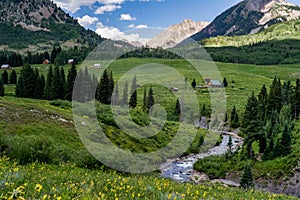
point(176, 33)
point(249, 17)
point(38, 25)
point(278, 32)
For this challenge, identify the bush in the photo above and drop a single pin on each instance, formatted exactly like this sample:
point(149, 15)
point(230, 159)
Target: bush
point(61, 103)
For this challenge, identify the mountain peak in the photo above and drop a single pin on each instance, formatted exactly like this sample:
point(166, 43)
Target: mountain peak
point(176, 33)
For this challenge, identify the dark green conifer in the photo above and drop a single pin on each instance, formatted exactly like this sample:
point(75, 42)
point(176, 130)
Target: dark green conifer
point(133, 97)
point(2, 90)
point(13, 77)
point(4, 77)
point(247, 178)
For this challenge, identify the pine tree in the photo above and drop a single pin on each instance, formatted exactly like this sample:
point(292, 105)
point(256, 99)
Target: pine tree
point(275, 97)
point(63, 83)
point(226, 118)
point(263, 100)
point(115, 96)
point(150, 101)
point(283, 146)
point(71, 77)
point(26, 83)
point(247, 178)
point(2, 90)
point(177, 108)
point(234, 118)
point(133, 97)
point(111, 86)
point(102, 93)
point(13, 77)
point(145, 100)
point(225, 83)
point(251, 125)
point(48, 86)
point(269, 152)
point(5, 77)
point(194, 84)
point(56, 86)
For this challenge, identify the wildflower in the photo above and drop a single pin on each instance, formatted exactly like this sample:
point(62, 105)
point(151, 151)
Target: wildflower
point(38, 187)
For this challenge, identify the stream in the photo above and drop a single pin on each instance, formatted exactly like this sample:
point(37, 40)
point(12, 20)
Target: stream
point(181, 169)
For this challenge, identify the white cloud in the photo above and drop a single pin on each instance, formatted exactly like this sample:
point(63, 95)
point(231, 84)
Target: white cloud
point(141, 26)
point(87, 20)
point(107, 8)
point(127, 17)
point(74, 5)
point(115, 34)
point(111, 1)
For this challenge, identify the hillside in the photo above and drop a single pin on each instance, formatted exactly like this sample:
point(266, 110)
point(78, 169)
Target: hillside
point(38, 25)
point(249, 17)
point(176, 33)
point(281, 31)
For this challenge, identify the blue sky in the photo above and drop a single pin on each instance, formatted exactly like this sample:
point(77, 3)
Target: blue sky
point(142, 19)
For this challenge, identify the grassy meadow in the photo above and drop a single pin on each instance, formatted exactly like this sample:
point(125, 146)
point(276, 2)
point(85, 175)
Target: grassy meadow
point(47, 159)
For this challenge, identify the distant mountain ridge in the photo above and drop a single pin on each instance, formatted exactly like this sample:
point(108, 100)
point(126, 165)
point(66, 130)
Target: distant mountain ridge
point(176, 33)
point(249, 17)
point(38, 25)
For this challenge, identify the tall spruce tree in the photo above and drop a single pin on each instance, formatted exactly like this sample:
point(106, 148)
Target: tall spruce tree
point(275, 97)
point(263, 100)
point(13, 77)
point(26, 83)
point(286, 140)
point(234, 118)
point(177, 107)
point(251, 124)
point(103, 93)
point(71, 77)
point(4, 77)
point(225, 83)
point(133, 92)
point(111, 86)
point(63, 83)
point(56, 86)
point(2, 90)
point(48, 93)
point(145, 100)
point(125, 94)
point(194, 84)
point(247, 180)
point(115, 96)
point(150, 99)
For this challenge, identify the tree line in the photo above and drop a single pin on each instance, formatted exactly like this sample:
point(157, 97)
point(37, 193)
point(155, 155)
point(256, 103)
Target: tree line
point(32, 84)
point(109, 93)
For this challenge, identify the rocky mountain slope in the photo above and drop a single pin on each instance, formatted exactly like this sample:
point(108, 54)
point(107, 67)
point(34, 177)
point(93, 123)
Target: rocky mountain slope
point(176, 33)
point(36, 25)
point(249, 17)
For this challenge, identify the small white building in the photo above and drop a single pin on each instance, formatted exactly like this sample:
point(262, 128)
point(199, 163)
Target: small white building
point(70, 61)
point(6, 66)
point(97, 66)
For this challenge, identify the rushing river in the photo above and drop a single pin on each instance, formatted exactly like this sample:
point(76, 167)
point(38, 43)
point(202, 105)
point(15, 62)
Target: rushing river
point(181, 169)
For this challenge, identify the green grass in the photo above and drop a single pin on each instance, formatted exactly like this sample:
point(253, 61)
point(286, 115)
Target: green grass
point(248, 78)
